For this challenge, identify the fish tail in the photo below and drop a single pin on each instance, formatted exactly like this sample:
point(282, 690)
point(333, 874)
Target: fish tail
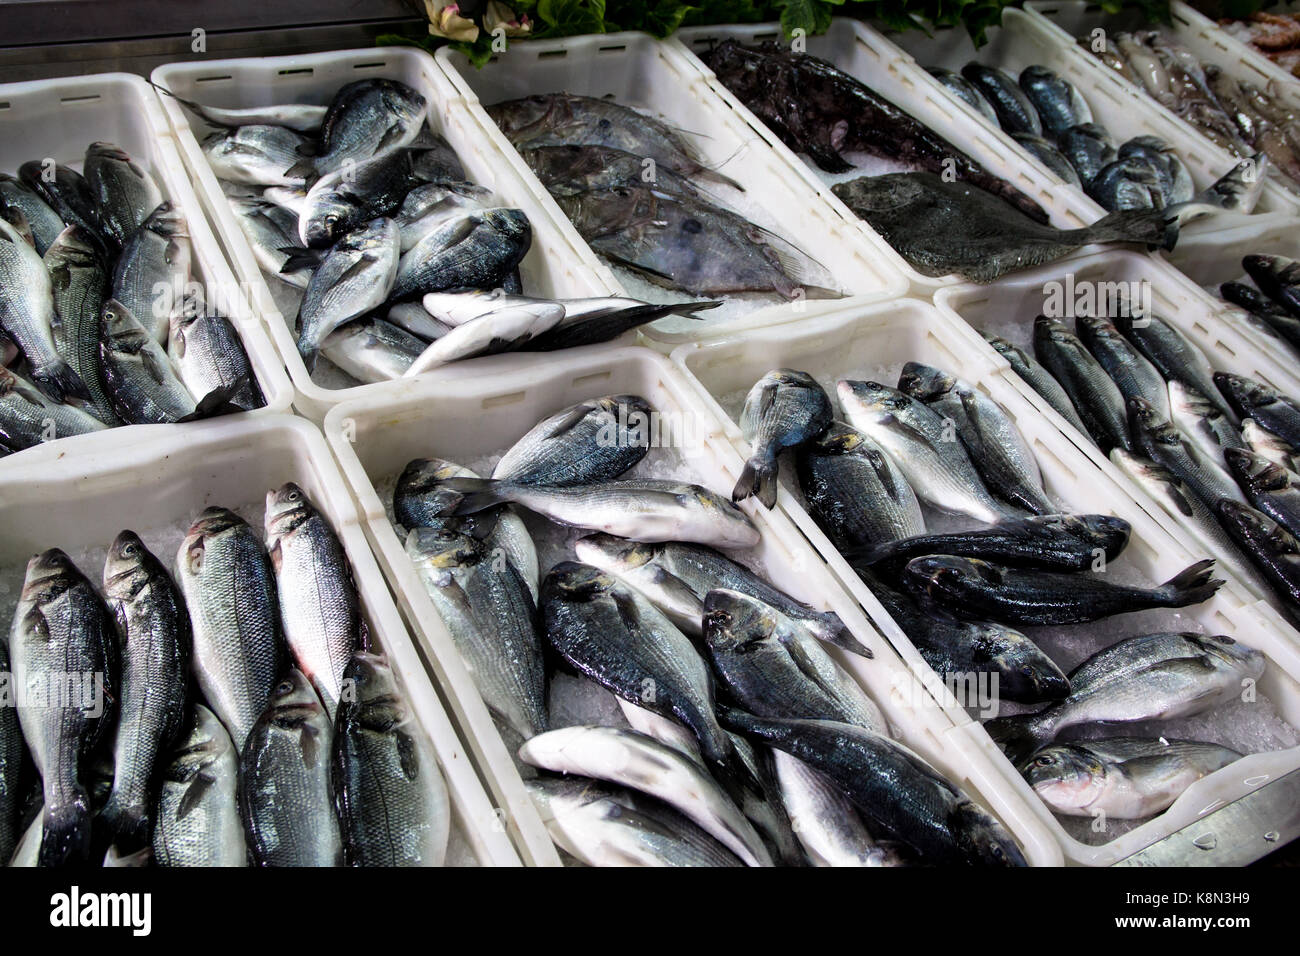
point(826, 626)
point(1153, 227)
point(1018, 736)
point(1192, 585)
point(60, 382)
point(304, 168)
point(758, 478)
point(308, 352)
point(478, 494)
point(65, 836)
point(218, 402)
point(129, 825)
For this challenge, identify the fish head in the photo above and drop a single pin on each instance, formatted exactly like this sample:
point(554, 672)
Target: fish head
point(73, 249)
point(401, 101)
point(840, 439)
point(368, 680)
point(1243, 393)
point(210, 523)
point(1256, 527)
point(880, 193)
point(1255, 472)
point(611, 553)
point(167, 221)
point(867, 397)
point(121, 328)
point(946, 578)
point(1143, 416)
point(422, 475)
point(924, 382)
point(1267, 268)
point(982, 838)
point(1024, 671)
point(48, 573)
point(734, 528)
point(443, 549)
point(613, 210)
point(737, 623)
point(286, 508)
point(573, 582)
point(511, 224)
point(330, 211)
point(520, 114)
point(1065, 777)
point(1262, 440)
point(124, 566)
point(293, 701)
point(1230, 653)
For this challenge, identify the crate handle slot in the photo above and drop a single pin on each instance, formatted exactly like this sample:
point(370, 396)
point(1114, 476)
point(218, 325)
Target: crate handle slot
point(612, 49)
point(89, 98)
point(496, 401)
point(552, 54)
point(4, 105)
point(590, 378)
point(372, 65)
point(214, 79)
point(298, 71)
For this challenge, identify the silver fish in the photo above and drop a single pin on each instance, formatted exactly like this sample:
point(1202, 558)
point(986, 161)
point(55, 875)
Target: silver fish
point(44, 222)
point(320, 609)
point(28, 418)
point(485, 604)
point(592, 441)
point(286, 798)
point(478, 250)
point(1039, 379)
point(392, 801)
point(198, 806)
point(61, 635)
point(13, 758)
point(270, 229)
point(1273, 447)
point(138, 376)
point(79, 279)
point(924, 448)
point(302, 117)
point(643, 510)
point(1126, 778)
point(430, 206)
point(633, 760)
point(154, 269)
point(1092, 391)
point(504, 330)
point(1128, 368)
point(1200, 421)
point(825, 821)
point(366, 118)
point(229, 588)
point(210, 359)
point(125, 193)
point(257, 155)
point(786, 408)
point(372, 350)
point(154, 630)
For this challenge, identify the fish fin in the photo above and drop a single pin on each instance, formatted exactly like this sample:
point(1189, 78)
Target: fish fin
point(191, 105)
point(218, 402)
point(574, 416)
point(308, 352)
point(1151, 227)
point(837, 635)
point(194, 793)
point(298, 258)
point(758, 478)
point(65, 833)
point(59, 381)
point(661, 278)
point(305, 169)
point(628, 613)
point(1192, 585)
point(478, 494)
point(1015, 735)
point(391, 135)
point(364, 262)
point(828, 158)
point(129, 825)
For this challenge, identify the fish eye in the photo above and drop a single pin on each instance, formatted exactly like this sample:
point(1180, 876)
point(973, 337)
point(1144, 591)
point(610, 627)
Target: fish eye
point(1027, 671)
point(129, 550)
point(294, 495)
point(284, 687)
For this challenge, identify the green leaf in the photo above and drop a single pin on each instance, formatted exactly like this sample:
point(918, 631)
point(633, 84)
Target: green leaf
point(811, 16)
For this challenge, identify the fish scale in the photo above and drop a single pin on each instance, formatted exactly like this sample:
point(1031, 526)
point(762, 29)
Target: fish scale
point(210, 357)
point(13, 755)
point(125, 193)
point(44, 221)
point(156, 258)
point(79, 280)
point(592, 441)
point(785, 409)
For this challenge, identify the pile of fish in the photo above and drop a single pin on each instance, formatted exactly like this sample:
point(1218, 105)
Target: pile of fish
point(1274, 34)
point(1047, 115)
point(637, 191)
point(746, 742)
point(1270, 296)
point(1235, 115)
point(398, 263)
point(1213, 447)
point(100, 323)
point(935, 443)
point(238, 714)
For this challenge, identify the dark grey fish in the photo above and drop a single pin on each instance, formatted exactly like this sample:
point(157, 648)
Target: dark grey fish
point(960, 87)
point(944, 228)
point(153, 272)
point(1174, 181)
point(785, 409)
point(1278, 277)
point(1160, 441)
point(585, 323)
point(1092, 392)
point(1049, 155)
point(66, 192)
point(125, 194)
point(855, 492)
point(197, 817)
point(392, 801)
point(209, 357)
point(1133, 375)
point(957, 649)
point(1267, 406)
point(610, 633)
point(356, 193)
point(1274, 318)
point(1127, 183)
point(592, 441)
point(29, 418)
point(1039, 379)
point(138, 376)
point(1176, 358)
point(566, 170)
point(1089, 149)
point(676, 577)
point(1050, 542)
point(153, 627)
point(44, 222)
point(286, 798)
point(1275, 551)
point(767, 664)
point(997, 448)
point(1058, 104)
point(61, 636)
point(365, 118)
point(981, 590)
point(13, 761)
point(428, 206)
point(899, 794)
point(79, 280)
point(1269, 487)
point(1202, 423)
point(476, 251)
point(1271, 446)
point(1152, 677)
point(229, 588)
point(1015, 111)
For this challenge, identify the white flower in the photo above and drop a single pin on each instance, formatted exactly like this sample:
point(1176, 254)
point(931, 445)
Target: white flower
point(445, 21)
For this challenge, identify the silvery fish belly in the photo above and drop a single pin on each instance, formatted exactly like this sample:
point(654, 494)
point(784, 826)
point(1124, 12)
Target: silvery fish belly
point(1126, 778)
point(229, 587)
point(489, 610)
point(829, 828)
point(637, 761)
point(602, 825)
point(79, 278)
point(198, 820)
point(392, 801)
point(65, 659)
point(286, 797)
point(319, 606)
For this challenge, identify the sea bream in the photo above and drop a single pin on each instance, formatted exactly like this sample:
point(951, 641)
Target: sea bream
point(785, 409)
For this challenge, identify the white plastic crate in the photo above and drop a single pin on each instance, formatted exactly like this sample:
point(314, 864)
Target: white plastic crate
point(860, 51)
point(554, 267)
point(465, 418)
point(159, 487)
point(638, 71)
point(1009, 307)
point(877, 341)
point(58, 119)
